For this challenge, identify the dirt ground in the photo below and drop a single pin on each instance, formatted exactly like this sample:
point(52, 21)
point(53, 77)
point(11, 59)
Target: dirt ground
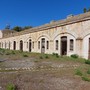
point(34, 73)
point(42, 75)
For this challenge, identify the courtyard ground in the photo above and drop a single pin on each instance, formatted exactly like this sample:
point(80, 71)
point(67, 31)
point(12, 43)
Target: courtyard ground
point(33, 71)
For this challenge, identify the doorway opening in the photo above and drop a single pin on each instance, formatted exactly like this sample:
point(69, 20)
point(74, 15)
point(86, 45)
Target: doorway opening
point(64, 45)
point(43, 45)
point(21, 45)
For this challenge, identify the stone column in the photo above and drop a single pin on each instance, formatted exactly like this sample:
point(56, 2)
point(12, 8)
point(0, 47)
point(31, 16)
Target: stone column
point(79, 42)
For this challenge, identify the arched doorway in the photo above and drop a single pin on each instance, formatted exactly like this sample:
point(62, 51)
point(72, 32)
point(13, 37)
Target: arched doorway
point(64, 45)
point(43, 45)
point(21, 45)
point(30, 45)
point(14, 45)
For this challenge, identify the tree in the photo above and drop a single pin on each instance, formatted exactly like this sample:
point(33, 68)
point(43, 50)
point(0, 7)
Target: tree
point(27, 27)
point(84, 10)
point(17, 28)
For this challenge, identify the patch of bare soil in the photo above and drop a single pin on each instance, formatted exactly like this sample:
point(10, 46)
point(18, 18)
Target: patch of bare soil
point(50, 80)
point(61, 78)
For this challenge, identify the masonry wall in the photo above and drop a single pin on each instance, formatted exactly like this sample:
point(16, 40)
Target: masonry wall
point(79, 32)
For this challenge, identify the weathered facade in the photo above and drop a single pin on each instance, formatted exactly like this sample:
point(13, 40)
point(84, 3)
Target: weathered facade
point(65, 37)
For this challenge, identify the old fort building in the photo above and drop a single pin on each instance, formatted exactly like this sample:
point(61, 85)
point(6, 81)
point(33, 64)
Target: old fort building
point(65, 37)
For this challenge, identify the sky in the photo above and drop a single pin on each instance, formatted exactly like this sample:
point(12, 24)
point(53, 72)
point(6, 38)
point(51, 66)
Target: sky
point(38, 12)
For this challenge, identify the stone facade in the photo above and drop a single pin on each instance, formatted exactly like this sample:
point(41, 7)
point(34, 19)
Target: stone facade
point(65, 37)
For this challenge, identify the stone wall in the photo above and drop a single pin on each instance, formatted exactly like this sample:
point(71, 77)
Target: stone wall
point(76, 28)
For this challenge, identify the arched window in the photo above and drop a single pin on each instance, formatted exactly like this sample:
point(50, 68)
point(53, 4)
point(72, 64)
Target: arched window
point(47, 44)
point(14, 45)
point(71, 44)
point(56, 44)
point(33, 44)
point(38, 44)
point(30, 45)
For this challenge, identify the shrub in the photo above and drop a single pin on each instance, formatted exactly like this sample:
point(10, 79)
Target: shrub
point(57, 55)
point(46, 56)
point(86, 78)
point(78, 72)
point(13, 52)
point(7, 53)
point(25, 55)
point(53, 54)
point(87, 61)
point(41, 57)
point(74, 56)
point(88, 72)
point(11, 87)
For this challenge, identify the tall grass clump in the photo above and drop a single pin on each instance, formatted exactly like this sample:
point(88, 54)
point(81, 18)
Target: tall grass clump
point(74, 56)
point(87, 62)
point(11, 87)
point(46, 56)
point(78, 72)
point(25, 55)
point(41, 57)
point(86, 78)
point(56, 55)
point(88, 71)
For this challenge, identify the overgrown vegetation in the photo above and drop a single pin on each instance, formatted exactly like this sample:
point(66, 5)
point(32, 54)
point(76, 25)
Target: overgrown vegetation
point(74, 56)
point(86, 78)
point(11, 87)
point(56, 55)
point(88, 71)
point(25, 55)
point(84, 74)
point(78, 72)
point(87, 62)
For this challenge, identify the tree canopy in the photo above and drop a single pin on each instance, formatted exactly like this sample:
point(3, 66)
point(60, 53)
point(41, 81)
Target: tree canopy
point(86, 10)
point(19, 28)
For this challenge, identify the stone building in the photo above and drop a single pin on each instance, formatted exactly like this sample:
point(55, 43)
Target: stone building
point(65, 37)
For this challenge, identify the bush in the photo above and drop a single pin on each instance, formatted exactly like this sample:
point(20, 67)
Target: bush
point(7, 53)
point(74, 56)
point(11, 87)
point(86, 78)
point(46, 56)
point(78, 72)
point(87, 61)
point(53, 54)
point(41, 57)
point(13, 52)
point(88, 72)
point(57, 55)
point(2, 51)
point(25, 55)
